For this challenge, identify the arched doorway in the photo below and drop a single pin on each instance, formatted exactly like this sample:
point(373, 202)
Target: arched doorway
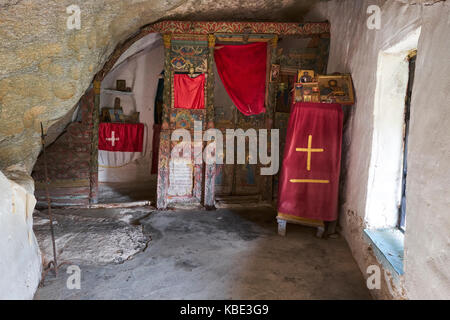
point(126, 175)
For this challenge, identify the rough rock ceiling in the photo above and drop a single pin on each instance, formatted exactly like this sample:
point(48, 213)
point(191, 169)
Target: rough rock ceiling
point(243, 10)
point(45, 67)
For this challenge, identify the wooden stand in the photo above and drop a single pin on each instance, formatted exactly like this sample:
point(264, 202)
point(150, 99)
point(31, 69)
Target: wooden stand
point(283, 220)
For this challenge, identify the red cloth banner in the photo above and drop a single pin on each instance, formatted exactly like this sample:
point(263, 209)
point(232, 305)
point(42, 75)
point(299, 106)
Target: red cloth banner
point(189, 93)
point(124, 137)
point(309, 180)
point(242, 69)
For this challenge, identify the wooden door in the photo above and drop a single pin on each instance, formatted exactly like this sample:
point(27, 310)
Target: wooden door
point(235, 179)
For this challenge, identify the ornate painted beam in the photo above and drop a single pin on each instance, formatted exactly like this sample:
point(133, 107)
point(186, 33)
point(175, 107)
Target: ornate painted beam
point(209, 27)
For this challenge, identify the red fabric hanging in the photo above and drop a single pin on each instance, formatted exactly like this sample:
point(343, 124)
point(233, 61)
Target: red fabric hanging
point(189, 93)
point(124, 137)
point(242, 69)
point(311, 190)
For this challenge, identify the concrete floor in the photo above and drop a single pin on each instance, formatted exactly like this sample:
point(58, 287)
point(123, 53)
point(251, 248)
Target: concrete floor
point(223, 254)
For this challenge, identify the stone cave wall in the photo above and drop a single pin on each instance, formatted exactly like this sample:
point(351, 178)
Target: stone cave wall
point(46, 68)
point(20, 265)
point(69, 162)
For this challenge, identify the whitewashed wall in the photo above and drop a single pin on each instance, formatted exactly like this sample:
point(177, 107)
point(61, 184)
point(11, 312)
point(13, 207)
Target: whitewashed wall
point(20, 262)
point(141, 70)
point(355, 49)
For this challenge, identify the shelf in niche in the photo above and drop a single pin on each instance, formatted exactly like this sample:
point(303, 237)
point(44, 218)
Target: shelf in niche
point(113, 91)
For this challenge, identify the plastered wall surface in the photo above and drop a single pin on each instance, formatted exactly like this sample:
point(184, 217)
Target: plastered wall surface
point(20, 263)
point(140, 66)
point(354, 49)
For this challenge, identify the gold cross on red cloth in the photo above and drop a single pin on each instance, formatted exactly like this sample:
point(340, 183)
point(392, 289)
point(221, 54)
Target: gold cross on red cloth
point(309, 150)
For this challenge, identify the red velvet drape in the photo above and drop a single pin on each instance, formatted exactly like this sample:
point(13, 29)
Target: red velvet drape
point(189, 93)
point(309, 180)
point(242, 69)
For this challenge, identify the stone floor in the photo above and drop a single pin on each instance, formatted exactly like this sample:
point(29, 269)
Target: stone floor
point(119, 192)
point(93, 237)
point(222, 254)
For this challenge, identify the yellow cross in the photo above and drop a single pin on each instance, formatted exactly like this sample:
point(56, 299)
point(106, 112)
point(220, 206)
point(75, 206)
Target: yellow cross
point(309, 150)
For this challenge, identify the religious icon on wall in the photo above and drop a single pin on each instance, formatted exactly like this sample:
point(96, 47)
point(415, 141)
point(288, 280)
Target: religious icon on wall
point(305, 76)
point(104, 116)
point(131, 118)
point(311, 92)
point(275, 73)
point(112, 115)
point(116, 115)
point(307, 92)
point(336, 89)
point(284, 91)
point(121, 85)
point(117, 103)
point(298, 92)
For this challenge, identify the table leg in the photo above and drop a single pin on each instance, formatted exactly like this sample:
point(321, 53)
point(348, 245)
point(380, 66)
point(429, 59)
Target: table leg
point(281, 227)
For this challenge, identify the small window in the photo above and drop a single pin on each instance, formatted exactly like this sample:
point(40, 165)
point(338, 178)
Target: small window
point(402, 207)
point(386, 189)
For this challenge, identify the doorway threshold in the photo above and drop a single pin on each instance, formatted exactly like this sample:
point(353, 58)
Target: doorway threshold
point(240, 201)
point(142, 203)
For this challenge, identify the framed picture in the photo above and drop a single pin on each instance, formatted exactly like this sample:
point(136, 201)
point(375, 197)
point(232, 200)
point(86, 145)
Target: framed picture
point(307, 92)
point(305, 76)
point(121, 85)
point(298, 92)
point(132, 118)
point(336, 88)
point(104, 116)
point(275, 73)
point(284, 91)
point(116, 115)
point(117, 103)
